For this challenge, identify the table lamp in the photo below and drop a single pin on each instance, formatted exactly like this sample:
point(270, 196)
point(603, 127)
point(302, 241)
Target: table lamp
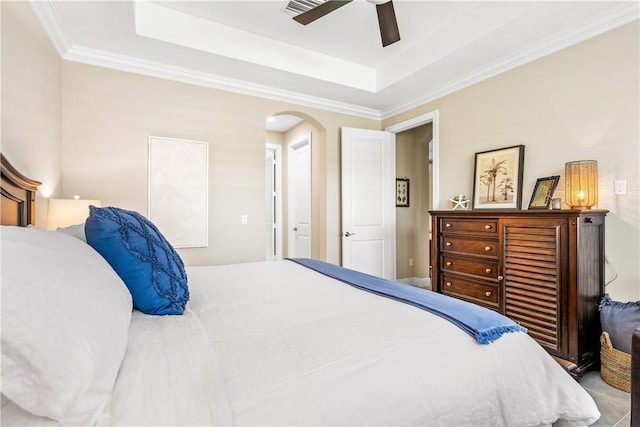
point(66, 212)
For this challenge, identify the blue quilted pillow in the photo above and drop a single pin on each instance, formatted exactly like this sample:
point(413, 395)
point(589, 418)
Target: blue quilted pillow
point(147, 263)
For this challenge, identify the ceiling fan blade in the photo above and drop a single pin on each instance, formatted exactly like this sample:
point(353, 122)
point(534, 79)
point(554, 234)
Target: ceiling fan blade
point(319, 11)
point(388, 23)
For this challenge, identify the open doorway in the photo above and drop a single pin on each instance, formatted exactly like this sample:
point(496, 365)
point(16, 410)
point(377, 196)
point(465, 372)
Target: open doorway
point(371, 165)
point(416, 161)
point(275, 187)
point(413, 167)
point(293, 197)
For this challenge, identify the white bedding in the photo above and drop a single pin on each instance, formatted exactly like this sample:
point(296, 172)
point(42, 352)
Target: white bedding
point(278, 344)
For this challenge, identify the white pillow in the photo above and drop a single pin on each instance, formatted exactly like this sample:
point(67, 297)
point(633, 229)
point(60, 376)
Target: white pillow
point(65, 322)
point(76, 230)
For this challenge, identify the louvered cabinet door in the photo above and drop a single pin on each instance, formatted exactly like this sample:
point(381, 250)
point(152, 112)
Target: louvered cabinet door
point(534, 272)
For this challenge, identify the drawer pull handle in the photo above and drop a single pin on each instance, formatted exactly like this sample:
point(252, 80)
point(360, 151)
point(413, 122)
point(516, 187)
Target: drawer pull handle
point(448, 225)
point(500, 277)
point(487, 227)
point(448, 244)
point(488, 293)
point(449, 284)
point(487, 248)
point(487, 270)
point(449, 263)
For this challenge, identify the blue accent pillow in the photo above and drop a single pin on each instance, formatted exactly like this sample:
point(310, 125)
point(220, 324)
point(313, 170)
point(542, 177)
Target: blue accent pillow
point(619, 319)
point(147, 263)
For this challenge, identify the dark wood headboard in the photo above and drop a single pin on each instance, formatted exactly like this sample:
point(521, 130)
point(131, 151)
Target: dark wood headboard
point(18, 206)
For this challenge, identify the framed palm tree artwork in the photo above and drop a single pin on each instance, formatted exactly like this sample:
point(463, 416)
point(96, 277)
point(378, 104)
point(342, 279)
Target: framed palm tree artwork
point(498, 178)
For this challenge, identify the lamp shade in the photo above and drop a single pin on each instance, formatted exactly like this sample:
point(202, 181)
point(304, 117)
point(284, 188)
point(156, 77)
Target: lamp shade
point(66, 212)
point(581, 184)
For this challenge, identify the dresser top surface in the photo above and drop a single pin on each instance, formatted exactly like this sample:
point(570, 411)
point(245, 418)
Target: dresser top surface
point(520, 212)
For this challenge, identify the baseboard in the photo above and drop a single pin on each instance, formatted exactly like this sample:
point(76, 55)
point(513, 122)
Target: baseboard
point(424, 283)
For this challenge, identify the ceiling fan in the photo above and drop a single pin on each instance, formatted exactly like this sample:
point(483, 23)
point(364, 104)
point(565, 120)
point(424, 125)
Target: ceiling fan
point(386, 17)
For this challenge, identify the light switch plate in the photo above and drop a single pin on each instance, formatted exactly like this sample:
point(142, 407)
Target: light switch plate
point(620, 186)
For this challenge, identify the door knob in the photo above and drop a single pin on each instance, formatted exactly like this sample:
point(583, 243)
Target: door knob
point(347, 234)
point(295, 228)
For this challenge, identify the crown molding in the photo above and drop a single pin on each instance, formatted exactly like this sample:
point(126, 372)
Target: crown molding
point(150, 68)
point(48, 17)
point(50, 21)
point(606, 22)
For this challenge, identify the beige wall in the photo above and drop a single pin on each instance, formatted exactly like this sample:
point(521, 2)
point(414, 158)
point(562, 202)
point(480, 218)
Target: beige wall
point(108, 116)
point(579, 103)
point(31, 102)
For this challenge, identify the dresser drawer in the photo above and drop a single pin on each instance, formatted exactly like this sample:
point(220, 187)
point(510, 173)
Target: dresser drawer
point(454, 225)
point(478, 267)
point(478, 292)
point(483, 247)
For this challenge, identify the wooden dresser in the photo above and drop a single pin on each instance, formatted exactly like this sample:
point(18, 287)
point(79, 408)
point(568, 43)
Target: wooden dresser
point(542, 268)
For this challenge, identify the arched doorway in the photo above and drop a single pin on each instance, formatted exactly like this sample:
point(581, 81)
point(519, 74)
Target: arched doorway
point(285, 132)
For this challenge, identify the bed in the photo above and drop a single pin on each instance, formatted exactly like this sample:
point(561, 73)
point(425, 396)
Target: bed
point(264, 343)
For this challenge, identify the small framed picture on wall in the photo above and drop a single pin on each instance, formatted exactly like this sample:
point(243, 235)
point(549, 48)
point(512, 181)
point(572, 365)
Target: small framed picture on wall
point(402, 192)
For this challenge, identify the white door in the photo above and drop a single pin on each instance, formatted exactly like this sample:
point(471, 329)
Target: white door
point(270, 203)
point(368, 202)
point(299, 198)
point(273, 205)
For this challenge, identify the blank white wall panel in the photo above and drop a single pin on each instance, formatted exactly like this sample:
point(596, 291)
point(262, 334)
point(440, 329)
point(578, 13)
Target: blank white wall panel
point(178, 190)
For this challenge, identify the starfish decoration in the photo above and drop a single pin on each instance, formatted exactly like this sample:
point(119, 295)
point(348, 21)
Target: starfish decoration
point(460, 201)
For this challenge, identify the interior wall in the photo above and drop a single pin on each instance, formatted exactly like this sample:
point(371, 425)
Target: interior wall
point(412, 223)
point(108, 116)
point(577, 104)
point(31, 102)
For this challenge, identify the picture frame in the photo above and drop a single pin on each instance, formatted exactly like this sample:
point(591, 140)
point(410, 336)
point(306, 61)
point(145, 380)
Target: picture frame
point(543, 192)
point(497, 178)
point(402, 192)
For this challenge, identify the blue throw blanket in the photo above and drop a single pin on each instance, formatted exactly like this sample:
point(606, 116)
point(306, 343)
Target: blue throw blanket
point(481, 323)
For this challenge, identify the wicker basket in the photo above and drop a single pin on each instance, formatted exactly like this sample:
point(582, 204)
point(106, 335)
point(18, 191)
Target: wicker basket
point(615, 365)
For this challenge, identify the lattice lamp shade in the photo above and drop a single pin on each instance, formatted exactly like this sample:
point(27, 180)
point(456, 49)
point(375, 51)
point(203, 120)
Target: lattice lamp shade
point(581, 184)
point(66, 212)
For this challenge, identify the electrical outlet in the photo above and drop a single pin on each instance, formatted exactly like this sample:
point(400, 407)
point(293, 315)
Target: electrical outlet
point(244, 219)
point(620, 186)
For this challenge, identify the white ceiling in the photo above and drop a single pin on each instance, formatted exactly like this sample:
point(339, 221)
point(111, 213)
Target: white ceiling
point(282, 122)
point(336, 62)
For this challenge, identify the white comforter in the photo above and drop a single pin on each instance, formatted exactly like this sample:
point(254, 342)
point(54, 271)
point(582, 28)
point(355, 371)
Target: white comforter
point(278, 344)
